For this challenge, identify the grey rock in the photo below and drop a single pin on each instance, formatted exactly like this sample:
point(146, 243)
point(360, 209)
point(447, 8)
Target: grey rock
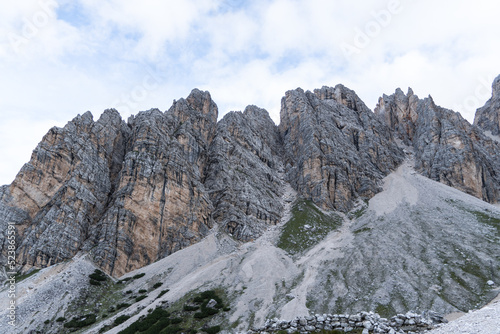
point(488, 116)
point(335, 151)
point(243, 173)
point(447, 148)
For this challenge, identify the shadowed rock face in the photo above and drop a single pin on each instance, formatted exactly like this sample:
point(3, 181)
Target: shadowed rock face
point(447, 148)
point(335, 147)
point(488, 117)
point(244, 173)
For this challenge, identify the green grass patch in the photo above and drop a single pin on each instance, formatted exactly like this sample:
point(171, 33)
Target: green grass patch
point(308, 226)
point(385, 311)
point(19, 277)
point(363, 229)
point(181, 316)
point(487, 219)
point(81, 321)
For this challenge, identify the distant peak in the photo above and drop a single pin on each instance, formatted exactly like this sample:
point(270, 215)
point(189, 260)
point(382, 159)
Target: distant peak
point(496, 86)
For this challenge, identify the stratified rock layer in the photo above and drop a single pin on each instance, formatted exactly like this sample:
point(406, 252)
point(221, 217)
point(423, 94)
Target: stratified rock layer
point(447, 148)
point(335, 147)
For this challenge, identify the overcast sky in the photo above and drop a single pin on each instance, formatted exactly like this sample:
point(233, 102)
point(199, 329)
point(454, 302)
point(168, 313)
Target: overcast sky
point(60, 58)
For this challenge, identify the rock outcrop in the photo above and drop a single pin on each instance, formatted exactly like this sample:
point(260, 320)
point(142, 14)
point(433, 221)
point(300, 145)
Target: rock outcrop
point(130, 193)
point(244, 173)
point(447, 148)
point(57, 197)
point(488, 117)
point(160, 204)
point(336, 150)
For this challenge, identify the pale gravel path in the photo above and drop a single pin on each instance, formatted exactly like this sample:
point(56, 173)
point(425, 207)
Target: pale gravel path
point(483, 321)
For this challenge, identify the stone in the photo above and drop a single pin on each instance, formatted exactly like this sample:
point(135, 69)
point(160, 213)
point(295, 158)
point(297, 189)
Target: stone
point(334, 151)
point(211, 303)
point(446, 147)
point(488, 116)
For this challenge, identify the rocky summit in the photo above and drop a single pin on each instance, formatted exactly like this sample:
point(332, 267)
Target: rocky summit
point(337, 210)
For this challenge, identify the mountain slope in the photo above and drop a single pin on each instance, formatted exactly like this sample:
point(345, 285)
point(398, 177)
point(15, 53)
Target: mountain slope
point(417, 245)
point(337, 209)
point(447, 148)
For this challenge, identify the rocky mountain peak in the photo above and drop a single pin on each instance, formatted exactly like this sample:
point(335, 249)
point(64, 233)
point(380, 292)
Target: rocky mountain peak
point(335, 148)
point(137, 191)
point(197, 102)
point(447, 148)
point(342, 95)
point(488, 116)
point(496, 86)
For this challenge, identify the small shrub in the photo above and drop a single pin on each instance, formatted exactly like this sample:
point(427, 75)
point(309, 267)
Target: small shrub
point(211, 311)
point(162, 293)
point(212, 330)
point(200, 315)
point(175, 321)
point(82, 321)
point(227, 308)
point(138, 299)
point(111, 309)
point(94, 282)
point(128, 291)
point(143, 291)
point(121, 319)
point(98, 276)
point(46, 321)
point(190, 308)
point(104, 315)
point(138, 276)
point(122, 305)
point(157, 285)
point(61, 319)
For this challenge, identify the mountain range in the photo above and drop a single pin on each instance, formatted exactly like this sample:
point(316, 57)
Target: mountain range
point(337, 209)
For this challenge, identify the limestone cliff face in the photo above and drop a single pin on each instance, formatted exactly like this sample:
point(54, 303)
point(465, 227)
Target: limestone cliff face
point(488, 117)
point(160, 204)
point(335, 148)
point(244, 173)
point(57, 197)
point(447, 148)
point(130, 193)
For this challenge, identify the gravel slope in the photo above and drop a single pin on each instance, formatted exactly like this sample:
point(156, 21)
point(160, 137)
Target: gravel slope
point(483, 321)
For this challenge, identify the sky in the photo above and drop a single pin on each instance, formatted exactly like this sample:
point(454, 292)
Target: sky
point(60, 58)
